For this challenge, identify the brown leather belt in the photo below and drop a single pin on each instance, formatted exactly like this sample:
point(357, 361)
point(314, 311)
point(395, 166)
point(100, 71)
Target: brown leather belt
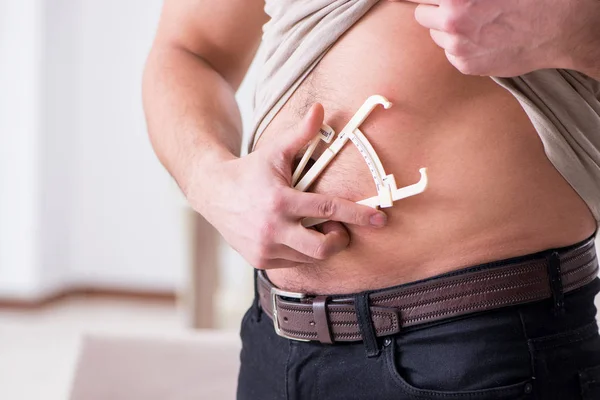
point(505, 283)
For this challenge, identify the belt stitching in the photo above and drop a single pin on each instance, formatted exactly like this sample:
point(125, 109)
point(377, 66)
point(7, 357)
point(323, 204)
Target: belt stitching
point(491, 289)
point(458, 283)
point(378, 315)
point(475, 306)
point(314, 335)
point(291, 309)
point(572, 257)
point(300, 334)
point(337, 312)
point(391, 321)
point(581, 267)
point(336, 337)
point(589, 277)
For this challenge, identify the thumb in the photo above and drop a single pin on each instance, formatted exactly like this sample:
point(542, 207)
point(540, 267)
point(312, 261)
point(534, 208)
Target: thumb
point(338, 231)
point(293, 141)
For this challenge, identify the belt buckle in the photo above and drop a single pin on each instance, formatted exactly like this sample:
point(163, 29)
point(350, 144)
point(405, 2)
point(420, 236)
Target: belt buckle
point(278, 292)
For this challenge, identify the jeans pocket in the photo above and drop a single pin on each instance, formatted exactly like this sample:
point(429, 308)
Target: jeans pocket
point(513, 391)
point(566, 363)
point(562, 340)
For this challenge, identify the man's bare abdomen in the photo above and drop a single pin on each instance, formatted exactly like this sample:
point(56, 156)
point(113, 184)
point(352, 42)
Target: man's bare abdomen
point(492, 192)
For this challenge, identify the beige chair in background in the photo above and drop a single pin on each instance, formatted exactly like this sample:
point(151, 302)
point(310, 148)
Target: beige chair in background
point(202, 365)
point(198, 297)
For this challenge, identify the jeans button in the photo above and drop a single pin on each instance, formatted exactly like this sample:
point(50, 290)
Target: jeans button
point(528, 388)
point(387, 342)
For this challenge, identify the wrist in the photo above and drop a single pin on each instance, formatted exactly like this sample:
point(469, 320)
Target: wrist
point(208, 158)
point(203, 177)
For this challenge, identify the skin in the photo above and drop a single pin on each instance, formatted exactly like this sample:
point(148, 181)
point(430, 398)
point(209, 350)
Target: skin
point(200, 55)
point(513, 37)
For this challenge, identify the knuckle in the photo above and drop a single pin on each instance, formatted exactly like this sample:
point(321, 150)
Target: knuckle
point(459, 17)
point(278, 202)
point(362, 218)
point(266, 236)
point(274, 201)
point(451, 24)
point(456, 47)
point(327, 209)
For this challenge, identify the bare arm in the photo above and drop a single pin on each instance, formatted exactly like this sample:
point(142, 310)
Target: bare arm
point(201, 53)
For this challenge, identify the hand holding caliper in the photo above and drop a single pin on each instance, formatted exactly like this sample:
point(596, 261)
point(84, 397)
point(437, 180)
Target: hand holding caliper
point(387, 191)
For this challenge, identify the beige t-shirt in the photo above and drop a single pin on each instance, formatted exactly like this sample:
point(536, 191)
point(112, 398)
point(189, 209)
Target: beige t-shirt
point(563, 105)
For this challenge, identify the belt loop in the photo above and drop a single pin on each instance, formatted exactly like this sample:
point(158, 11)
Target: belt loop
point(321, 321)
point(256, 302)
point(556, 287)
point(365, 324)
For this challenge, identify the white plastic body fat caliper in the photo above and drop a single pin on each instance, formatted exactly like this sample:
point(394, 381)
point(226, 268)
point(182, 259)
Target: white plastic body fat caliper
point(387, 192)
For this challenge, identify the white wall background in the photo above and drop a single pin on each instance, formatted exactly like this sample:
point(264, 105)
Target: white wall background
point(19, 128)
point(83, 199)
point(128, 225)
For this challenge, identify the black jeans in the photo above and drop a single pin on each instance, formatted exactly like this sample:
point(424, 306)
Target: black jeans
point(521, 352)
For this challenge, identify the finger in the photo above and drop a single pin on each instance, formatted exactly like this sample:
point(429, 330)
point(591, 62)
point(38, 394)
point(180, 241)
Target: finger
point(430, 17)
point(471, 66)
point(295, 140)
point(320, 246)
point(454, 45)
point(333, 226)
point(317, 205)
point(284, 252)
point(440, 38)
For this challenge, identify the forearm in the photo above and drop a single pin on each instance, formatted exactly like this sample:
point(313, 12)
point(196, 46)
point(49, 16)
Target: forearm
point(191, 113)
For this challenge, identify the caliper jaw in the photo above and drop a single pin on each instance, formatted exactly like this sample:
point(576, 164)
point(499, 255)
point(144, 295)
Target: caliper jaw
point(391, 191)
point(387, 191)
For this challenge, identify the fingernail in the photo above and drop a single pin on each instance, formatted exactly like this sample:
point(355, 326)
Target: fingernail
point(378, 219)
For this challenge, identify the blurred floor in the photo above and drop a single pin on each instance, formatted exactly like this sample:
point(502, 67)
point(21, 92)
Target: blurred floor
point(39, 348)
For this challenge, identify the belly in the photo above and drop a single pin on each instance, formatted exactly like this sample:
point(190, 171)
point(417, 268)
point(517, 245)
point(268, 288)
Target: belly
point(492, 192)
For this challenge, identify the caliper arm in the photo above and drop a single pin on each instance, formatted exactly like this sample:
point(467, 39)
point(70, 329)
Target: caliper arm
point(346, 133)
